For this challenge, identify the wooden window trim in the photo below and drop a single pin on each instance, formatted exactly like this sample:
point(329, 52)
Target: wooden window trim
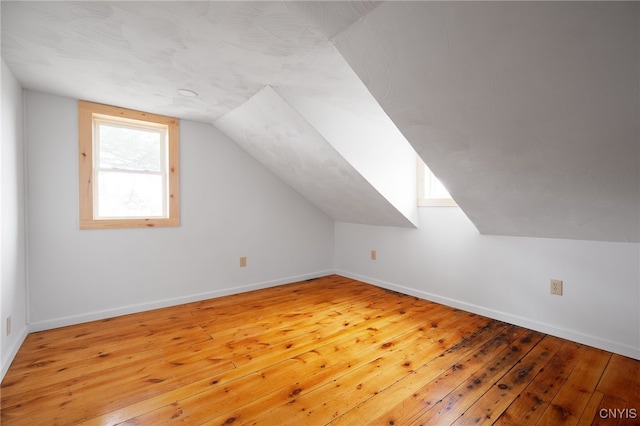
point(86, 112)
point(437, 202)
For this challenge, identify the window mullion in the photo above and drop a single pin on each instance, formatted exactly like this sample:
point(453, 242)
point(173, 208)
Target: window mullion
point(131, 171)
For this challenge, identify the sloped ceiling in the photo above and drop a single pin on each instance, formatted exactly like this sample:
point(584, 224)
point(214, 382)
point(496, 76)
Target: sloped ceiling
point(139, 53)
point(269, 128)
point(528, 111)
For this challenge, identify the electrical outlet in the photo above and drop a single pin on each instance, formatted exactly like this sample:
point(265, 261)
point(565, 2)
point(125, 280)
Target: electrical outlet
point(556, 287)
point(374, 255)
point(243, 262)
point(8, 325)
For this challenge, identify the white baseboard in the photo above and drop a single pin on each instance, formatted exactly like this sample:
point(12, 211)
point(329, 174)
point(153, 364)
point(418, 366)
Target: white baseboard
point(572, 335)
point(157, 304)
point(13, 350)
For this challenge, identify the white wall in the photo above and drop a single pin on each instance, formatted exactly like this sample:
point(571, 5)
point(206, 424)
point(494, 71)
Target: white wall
point(369, 141)
point(507, 278)
point(231, 206)
point(12, 213)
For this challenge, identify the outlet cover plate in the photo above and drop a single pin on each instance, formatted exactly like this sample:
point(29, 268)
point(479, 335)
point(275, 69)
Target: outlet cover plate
point(556, 287)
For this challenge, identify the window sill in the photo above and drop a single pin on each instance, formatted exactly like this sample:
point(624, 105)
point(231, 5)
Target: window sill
point(128, 223)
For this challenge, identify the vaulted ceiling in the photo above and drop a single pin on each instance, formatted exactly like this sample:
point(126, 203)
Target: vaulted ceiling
point(527, 111)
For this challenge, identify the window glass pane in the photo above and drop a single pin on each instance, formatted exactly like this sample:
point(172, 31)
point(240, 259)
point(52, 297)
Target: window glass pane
point(130, 148)
point(130, 195)
point(437, 189)
point(433, 188)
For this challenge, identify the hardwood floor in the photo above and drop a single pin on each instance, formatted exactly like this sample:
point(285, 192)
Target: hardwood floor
point(328, 351)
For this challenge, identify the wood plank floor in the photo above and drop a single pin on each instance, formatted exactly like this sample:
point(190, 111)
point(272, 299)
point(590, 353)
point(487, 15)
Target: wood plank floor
point(328, 351)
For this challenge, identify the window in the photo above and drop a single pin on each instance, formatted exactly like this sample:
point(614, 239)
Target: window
point(129, 168)
point(430, 191)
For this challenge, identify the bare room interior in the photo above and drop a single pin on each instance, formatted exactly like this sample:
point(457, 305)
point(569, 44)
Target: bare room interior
point(299, 272)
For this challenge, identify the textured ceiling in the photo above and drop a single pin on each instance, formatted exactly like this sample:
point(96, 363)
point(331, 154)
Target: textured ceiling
point(138, 54)
point(528, 111)
point(269, 128)
point(135, 54)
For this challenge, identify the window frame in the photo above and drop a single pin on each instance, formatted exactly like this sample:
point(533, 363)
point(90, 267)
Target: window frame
point(429, 202)
point(87, 111)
